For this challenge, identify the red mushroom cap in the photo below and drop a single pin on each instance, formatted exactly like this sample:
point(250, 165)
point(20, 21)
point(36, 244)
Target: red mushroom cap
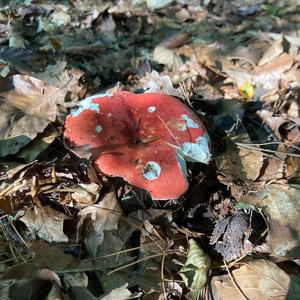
point(143, 138)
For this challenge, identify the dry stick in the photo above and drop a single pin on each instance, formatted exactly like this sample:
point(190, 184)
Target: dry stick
point(136, 226)
point(272, 143)
point(162, 275)
point(169, 130)
point(18, 234)
point(234, 283)
point(12, 187)
point(142, 259)
point(266, 150)
point(123, 251)
point(259, 150)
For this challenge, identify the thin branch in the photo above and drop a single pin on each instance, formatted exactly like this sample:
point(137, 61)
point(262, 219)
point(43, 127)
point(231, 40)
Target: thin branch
point(234, 283)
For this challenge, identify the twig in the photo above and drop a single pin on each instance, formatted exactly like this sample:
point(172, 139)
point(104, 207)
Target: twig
point(169, 130)
point(162, 276)
point(266, 150)
point(234, 283)
point(142, 259)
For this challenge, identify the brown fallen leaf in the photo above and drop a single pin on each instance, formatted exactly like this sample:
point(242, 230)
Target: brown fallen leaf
point(85, 193)
point(104, 216)
point(256, 279)
point(272, 121)
point(279, 45)
point(269, 74)
point(273, 170)
point(167, 57)
point(46, 223)
point(27, 106)
point(51, 256)
point(175, 41)
point(155, 83)
point(280, 202)
point(240, 163)
point(121, 293)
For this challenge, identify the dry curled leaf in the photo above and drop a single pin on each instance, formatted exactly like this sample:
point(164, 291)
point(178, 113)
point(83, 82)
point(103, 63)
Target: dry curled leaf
point(155, 83)
point(167, 57)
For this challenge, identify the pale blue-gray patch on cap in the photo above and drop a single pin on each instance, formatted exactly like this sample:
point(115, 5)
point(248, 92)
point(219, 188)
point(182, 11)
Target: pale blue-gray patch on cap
point(197, 152)
point(87, 104)
point(190, 123)
point(181, 163)
point(151, 170)
point(98, 128)
point(151, 109)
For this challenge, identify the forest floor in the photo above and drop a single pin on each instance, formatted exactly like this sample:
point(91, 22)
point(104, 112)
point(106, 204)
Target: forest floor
point(69, 232)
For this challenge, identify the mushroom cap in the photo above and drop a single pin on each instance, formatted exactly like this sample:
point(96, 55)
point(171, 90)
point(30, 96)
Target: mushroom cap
point(143, 138)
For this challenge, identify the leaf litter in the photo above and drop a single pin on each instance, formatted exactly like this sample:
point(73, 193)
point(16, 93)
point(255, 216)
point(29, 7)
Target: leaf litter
point(69, 231)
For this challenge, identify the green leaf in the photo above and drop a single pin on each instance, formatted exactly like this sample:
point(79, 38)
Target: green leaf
point(194, 272)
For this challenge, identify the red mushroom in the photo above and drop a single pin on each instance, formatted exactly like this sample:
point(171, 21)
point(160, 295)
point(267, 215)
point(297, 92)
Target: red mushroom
point(143, 138)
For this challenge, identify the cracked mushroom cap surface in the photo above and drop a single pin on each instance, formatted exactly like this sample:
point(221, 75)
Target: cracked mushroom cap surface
point(143, 138)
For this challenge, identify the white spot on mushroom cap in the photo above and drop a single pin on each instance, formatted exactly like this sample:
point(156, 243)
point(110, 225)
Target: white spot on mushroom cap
point(151, 109)
point(98, 96)
point(189, 123)
point(151, 170)
point(87, 104)
point(98, 128)
point(197, 152)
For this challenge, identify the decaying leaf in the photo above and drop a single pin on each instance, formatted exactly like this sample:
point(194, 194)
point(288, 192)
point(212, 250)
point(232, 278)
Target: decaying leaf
point(27, 106)
point(24, 61)
point(240, 163)
point(105, 216)
point(46, 223)
point(281, 203)
point(270, 74)
point(272, 121)
point(30, 152)
point(279, 45)
point(256, 279)
point(167, 57)
point(156, 4)
point(85, 194)
point(51, 256)
point(196, 267)
point(155, 83)
point(234, 230)
point(121, 293)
